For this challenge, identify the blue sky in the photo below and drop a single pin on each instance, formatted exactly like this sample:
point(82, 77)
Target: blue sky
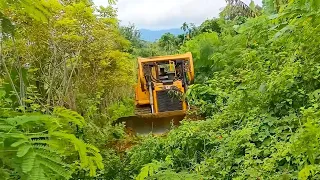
point(165, 14)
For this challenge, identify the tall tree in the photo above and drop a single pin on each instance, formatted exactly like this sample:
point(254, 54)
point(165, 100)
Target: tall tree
point(237, 8)
point(210, 25)
point(185, 28)
point(132, 34)
point(193, 30)
point(274, 6)
point(77, 53)
point(169, 42)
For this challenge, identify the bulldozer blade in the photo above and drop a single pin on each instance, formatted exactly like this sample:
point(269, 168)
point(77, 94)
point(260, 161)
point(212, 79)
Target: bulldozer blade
point(158, 123)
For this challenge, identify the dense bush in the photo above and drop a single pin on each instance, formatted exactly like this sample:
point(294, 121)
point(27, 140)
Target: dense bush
point(57, 54)
point(38, 146)
point(257, 84)
point(260, 95)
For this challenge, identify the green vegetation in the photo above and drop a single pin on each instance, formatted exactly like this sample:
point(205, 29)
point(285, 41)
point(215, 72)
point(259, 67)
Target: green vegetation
point(61, 54)
point(67, 74)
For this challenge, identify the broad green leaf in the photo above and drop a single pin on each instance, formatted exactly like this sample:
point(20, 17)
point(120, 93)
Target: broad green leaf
point(18, 143)
point(282, 31)
point(273, 16)
point(23, 150)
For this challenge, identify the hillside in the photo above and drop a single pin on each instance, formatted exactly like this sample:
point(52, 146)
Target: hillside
point(153, 35)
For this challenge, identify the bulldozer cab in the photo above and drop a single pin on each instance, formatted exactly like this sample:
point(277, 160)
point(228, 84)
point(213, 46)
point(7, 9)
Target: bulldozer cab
point(167, 71)
point(162, 81)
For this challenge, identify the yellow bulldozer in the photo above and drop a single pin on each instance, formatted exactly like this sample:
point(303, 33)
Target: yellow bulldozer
point(159, 101)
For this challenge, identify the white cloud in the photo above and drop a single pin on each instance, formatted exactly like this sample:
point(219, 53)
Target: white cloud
point(162, 14)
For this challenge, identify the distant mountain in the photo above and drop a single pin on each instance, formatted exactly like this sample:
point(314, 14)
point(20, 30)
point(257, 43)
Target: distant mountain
point(153, 35)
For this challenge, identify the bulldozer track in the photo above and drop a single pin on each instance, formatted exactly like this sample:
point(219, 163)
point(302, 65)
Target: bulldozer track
point(142, 110)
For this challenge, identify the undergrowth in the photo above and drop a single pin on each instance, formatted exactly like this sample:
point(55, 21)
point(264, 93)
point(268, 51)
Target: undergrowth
point(258, 86)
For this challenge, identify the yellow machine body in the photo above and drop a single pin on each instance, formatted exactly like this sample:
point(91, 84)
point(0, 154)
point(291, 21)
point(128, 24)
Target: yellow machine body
point(159, 101)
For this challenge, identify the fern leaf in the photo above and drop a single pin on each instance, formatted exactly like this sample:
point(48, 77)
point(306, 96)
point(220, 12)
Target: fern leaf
point(40, 141)
point(28, 162)
point(42, 175)
point(5, 127)
point(149, 170)
point(97, 156)
point(98, 161)
point(18, 143)
point(23, 150)
point(92, 151)
point(69, 116)
point(78, 145)
point(92, 167)
point(16, 135)
point(37, 173)
point(40, 135)
point(20, 120)
point(57, 168)
point(50, 156)
point(90, 146)
point(144, 173)
point(47, 148)
point(36, 12)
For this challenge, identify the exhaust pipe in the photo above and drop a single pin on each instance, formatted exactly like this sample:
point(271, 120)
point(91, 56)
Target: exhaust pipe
point(151, 97)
